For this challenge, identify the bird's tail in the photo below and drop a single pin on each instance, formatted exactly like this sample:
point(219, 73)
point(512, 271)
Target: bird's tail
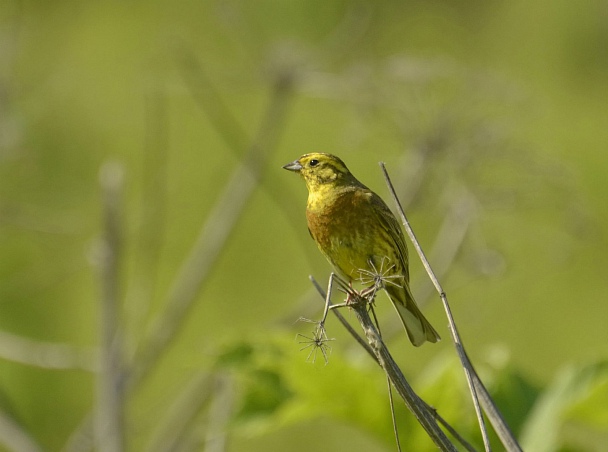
point(416, 325)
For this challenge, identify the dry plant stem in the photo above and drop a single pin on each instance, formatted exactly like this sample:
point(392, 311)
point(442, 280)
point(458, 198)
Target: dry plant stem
point(469, 373)
point(153, 219)
point(413, 402)
point(47, 355)
point(371, 353)
point(227, 126)
point(109, 415)
point(393, 419)
point(207, 248)
point(182, 415)
point(214, 233)
point(458, 220)
point(445, 248)
point(81, 439)
point(501, 428)
point(220, 412)
point(453, 329)
point(389, 388)
point(451, 235)
point(14, 437)
point(207, 97)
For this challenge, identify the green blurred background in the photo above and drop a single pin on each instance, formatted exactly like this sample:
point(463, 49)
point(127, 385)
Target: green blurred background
point(492, 118)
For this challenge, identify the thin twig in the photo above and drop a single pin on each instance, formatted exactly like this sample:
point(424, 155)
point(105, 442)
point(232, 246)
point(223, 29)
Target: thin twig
point(110, 409)
point(152, 222)
point(47, 355)
point(209, 99)
point(181, 415)
point(455, 336)
point(393, 418)
point(82, 438)
point(226, 125)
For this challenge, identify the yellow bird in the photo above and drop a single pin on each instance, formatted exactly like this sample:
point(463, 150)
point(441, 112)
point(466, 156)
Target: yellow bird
point(359, 236)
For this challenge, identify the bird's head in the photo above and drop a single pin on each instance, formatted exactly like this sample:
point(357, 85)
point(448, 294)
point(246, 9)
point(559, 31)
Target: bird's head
point(319, 169)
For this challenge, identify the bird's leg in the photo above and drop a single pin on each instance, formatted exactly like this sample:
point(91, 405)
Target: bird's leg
point(352, 296)
point(342, 286)
point(320, 331)
point(330, 286)
point(335, 279)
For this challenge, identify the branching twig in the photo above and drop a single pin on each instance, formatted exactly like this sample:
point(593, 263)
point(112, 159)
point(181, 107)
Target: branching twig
point(370, 352)
point(413, 402)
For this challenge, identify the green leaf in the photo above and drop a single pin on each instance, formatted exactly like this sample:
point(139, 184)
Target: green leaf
point(571, 414)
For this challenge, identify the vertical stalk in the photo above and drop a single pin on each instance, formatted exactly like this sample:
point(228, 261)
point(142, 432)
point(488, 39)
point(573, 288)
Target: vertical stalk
point(109, 414)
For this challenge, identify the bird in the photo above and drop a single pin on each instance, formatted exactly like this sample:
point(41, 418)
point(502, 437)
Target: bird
point(359, 235)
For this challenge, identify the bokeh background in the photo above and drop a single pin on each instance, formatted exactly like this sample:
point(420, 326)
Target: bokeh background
point(492, 118)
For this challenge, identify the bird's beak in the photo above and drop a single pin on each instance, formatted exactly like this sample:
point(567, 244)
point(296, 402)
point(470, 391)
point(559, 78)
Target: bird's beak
point(293, 166)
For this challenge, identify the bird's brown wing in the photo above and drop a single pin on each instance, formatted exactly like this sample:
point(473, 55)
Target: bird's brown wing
point(392, 226)
point(416, 325)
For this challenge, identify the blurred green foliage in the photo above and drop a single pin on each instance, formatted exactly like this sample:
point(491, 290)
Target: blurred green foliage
point(492, 119)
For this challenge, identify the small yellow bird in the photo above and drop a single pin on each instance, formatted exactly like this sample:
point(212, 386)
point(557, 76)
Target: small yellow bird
point(359, 236)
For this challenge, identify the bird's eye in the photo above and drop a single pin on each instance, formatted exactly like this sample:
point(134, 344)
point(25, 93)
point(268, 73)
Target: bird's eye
point(314, 162)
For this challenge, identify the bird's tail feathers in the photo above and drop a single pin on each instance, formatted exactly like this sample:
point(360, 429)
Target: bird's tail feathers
point(418, 328)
